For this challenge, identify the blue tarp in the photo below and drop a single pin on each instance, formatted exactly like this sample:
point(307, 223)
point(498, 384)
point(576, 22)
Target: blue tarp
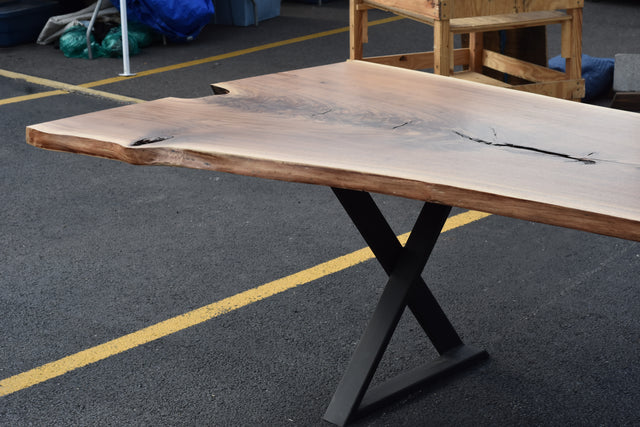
point(596, 72)
point(179, 20)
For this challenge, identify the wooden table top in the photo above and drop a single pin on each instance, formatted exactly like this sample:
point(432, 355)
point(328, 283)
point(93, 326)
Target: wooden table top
point(388, 130)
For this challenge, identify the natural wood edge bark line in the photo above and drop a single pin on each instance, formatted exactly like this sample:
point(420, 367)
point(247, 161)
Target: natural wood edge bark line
point(530, 210)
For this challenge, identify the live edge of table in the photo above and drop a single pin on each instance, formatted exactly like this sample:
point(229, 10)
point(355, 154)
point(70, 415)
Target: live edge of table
point(360, 127)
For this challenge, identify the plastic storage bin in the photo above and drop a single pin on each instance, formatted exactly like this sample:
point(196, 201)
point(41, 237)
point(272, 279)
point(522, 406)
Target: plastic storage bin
point(22, 20)
point(242, 13)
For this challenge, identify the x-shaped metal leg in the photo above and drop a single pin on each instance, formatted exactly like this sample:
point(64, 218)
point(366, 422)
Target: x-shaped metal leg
point(405, 287)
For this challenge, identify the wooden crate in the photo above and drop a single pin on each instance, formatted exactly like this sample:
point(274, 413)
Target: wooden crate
point(475, 17)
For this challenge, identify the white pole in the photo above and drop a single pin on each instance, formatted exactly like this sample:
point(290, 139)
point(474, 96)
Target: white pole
point(125, 39)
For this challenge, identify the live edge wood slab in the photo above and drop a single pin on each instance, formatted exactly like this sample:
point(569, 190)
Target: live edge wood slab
point(364, 126)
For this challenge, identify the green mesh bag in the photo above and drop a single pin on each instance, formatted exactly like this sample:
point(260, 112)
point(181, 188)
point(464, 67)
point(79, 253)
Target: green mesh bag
point(73, 43)
point(144, 35)
point(112, 43)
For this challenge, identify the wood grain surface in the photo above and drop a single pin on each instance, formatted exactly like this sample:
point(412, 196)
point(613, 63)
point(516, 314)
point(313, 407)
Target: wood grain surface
point(389, 130)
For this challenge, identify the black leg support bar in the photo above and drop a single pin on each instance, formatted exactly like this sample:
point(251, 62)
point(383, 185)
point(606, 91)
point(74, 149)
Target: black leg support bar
point(405, 287)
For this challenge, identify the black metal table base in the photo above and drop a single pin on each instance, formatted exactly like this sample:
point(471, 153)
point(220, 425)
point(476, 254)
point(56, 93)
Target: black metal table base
point(405, 288)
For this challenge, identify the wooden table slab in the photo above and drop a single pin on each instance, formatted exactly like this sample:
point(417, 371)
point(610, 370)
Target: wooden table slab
point(365, 126)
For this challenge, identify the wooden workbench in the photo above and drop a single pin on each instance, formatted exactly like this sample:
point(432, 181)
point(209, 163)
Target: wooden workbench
point(474, 18)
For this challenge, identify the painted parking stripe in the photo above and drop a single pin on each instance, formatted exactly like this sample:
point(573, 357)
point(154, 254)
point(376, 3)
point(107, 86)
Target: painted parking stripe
point(85, 87)
point(175, 324)
point(239, 52)
point(62, 88)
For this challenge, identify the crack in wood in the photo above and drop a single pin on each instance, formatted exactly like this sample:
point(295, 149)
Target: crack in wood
point(145, 141)
point(524, 147)
point(403, 124)
point(322, 113)
point(217, 90)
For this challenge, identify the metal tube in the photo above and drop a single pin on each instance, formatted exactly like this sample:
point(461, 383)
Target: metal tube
point(90, 28)
point(125, 39)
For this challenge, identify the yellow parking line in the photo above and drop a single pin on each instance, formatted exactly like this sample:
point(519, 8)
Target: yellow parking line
point(63, 88)
point(29, 97)
point(94, 354)
point(237, 53)
point(84, 87)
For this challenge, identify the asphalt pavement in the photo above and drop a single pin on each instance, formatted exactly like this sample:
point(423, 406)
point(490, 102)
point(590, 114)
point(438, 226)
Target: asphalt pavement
point(96, 252)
